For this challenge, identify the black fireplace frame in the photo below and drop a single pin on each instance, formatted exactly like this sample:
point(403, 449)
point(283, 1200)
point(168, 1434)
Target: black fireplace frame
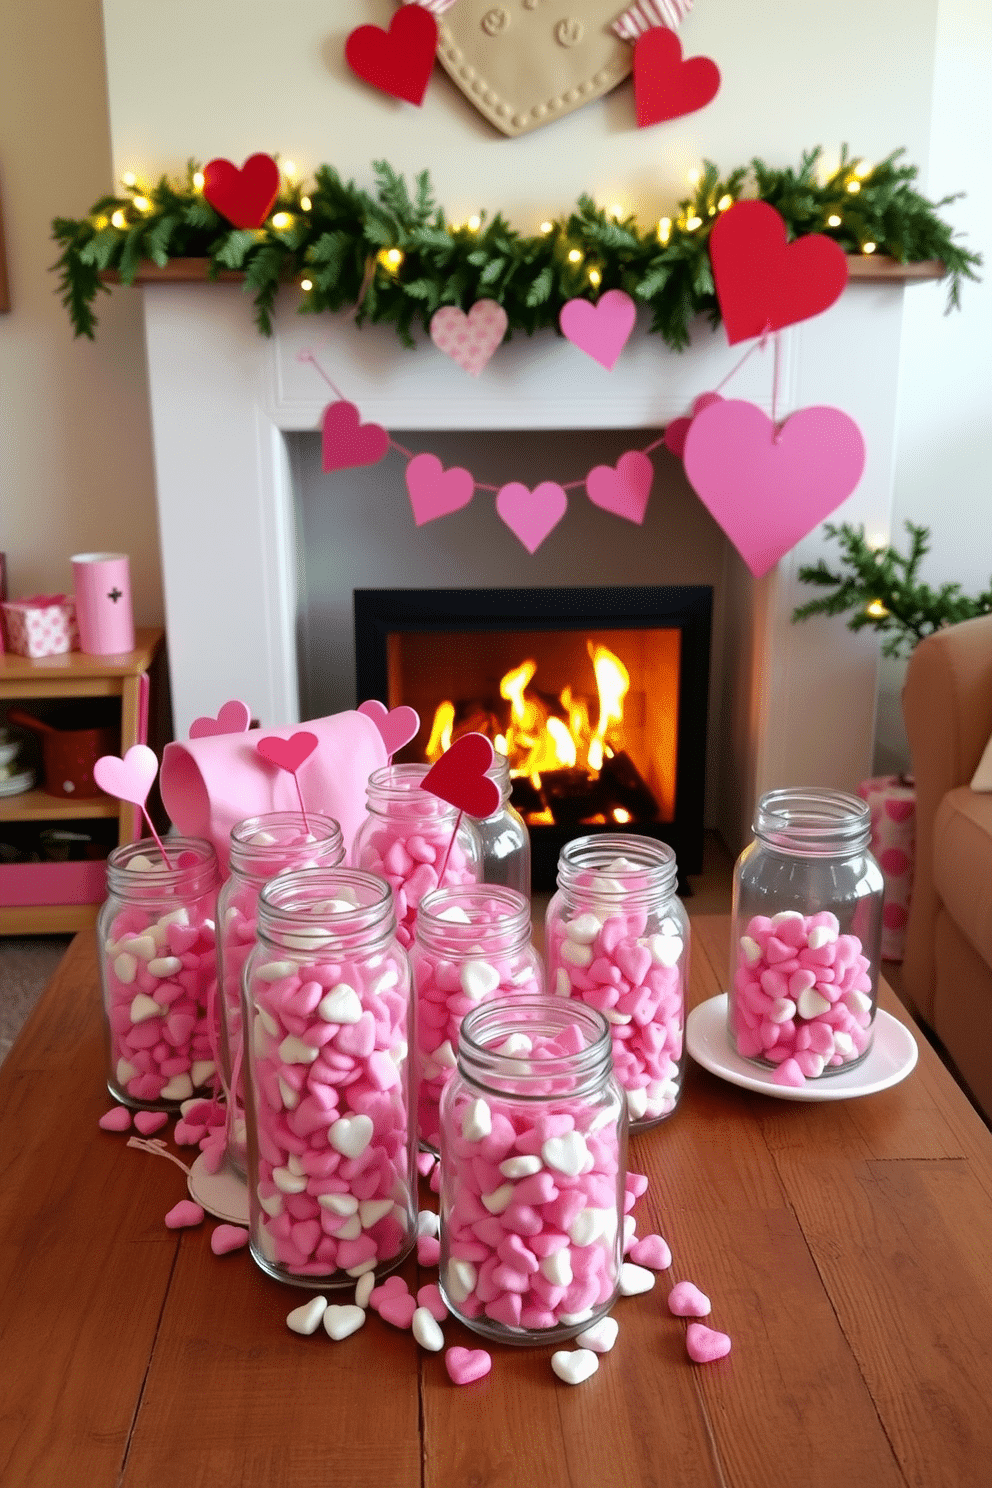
point(378, 613)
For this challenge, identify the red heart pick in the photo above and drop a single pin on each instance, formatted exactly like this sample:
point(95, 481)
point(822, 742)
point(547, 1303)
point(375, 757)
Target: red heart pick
point(460, 778)
point(763, 282)
point(347, 441)
point(290, 753)
point(396, 727)
point(244, 196)
point(397, 61)
point(665, 86)
point(233, 718)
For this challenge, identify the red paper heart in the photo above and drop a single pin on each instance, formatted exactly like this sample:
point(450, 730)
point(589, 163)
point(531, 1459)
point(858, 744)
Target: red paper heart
point(674, 438)
point(460, 778)
point(397, 61)
point(396, 726)
point(290, 753)
point(665, 86)
point(233, 718)
point(763, 282)
point(244, 196)
point(347, 441)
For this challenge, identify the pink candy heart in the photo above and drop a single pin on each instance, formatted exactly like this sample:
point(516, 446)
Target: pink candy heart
point(467, 1365)
point(601, 330)
point(130, 778)
point(435, 492)
point(234, 717)
point(651, 1251)
point(531, 515)
point(226, 1238)
point(397, 726)
point(471, 339)
point(686, 1300)
point(624, 490)
point(347, 441)
point(184, 1215)
point(398, 1308)
point(117, 1119)
point(428, 1250)
point(289, 754)
point(705, 1344)
point(430, 1297)
point(149, 1122)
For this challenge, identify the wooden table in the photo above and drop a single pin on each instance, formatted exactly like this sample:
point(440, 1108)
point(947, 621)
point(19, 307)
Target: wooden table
point(846, 1247)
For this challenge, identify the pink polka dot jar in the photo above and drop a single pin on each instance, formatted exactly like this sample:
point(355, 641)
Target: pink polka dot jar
point(617, 938)
point(805, 937)
point(405, 839)
point(327, 995)
point(156, 939)
point(472, 944)
point(261, 848)
point(533, 1165)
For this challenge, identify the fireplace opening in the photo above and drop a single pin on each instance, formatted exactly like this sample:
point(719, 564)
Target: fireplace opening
point(597, 696)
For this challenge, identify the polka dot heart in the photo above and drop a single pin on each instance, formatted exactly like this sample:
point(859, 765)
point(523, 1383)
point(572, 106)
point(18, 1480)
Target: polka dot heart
point(471, 339)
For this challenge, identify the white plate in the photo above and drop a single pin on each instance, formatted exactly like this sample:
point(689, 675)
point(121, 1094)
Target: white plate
point(17, 784)
point(893, 1054)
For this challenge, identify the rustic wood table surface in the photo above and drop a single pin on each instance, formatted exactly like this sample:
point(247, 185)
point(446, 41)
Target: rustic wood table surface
point(845, 1245)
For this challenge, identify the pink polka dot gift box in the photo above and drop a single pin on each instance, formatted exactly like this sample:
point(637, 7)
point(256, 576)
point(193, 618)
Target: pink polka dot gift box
point(43, 625)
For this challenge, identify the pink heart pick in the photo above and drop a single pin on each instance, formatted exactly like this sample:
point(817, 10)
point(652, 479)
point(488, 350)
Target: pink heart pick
point(436, 492)
point(471, 339)
point(459, 777)
point(130, 778)
point(397, 726)
point(234, 717)
point(531, 515)
point(601, 330)
point(769, 487)
point(674, 437)
point(290, 753)
point(625, 490)
point(347, 441)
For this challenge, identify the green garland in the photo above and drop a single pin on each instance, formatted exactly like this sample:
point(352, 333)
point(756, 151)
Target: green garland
point(397, 258)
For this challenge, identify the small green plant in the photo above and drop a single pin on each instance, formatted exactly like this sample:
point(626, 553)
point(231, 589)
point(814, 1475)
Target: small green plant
point(882, 588)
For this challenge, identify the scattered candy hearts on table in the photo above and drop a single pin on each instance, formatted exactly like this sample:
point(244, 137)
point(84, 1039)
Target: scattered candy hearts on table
point(227, 1238)
point(129, 779)
point(666, 85)
point(459, 777)
point(763, 282)
point(464, 1365)
point(768, 487)
point(677, 429)
point(307, 1318)
point(184, 1215)
point(289, 754)
point(531, 515)
point(234, 717)
point(471, 339)
point(244, 196)
point(686, 1300)
point(705, 1344)
point(397, 61)
point(572, 1366)
point(625, 489)
point(601, 330)
point(347, 442)
point(435, 492)
point(117, 1119)
point(397, 726)
point(341, 1320)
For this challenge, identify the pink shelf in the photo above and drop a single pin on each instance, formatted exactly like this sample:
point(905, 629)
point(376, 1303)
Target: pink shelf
point(23, 884)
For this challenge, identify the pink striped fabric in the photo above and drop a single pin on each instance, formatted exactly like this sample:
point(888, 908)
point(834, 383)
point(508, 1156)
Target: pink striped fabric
point(645, 15)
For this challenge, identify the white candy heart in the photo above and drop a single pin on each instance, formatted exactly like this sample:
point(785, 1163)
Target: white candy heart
point(350, 1230)
point(125, 967)
point(563, 983)
point(637, 1103)
point(350, 1135)
point(164, 966)
point(363, 1267)
point(428, 1223)
point(844, 1044)
point(635, 1279)
point(272, 1205)
point(126, 1071)
point(574, 1365)
point(179, 1088)
point(143, 1007)
point(340, 1321)
point(858, 1002)
point(477, 1121)
point(364, 1289)
point(455, 914)
point(784, 915)
point(557, 1267)
point(142, 946)
point(307, 940)
point(274, 971)
point(370, 1211)
point(515, 1045)
point(578, 955)
point(201, 1071)
point(587, 1226)
point(750, 950)
point(293, 1050)
point(781, 1010)
point(478, 979)
point(308, 1318)
point(520, 1167)
point(268, 1022)
point(820, 936)
point(288, 1182)
point(601, 1336)
point(499, 1199)
point(290, 1097)
point(665, 949)
point(338, 1203)
point(341, 1005)
point(462, 1277)
point(810, 1004)
point(444, 1056)
point(584, 928)
point(567, 1154)
point(427, 1330)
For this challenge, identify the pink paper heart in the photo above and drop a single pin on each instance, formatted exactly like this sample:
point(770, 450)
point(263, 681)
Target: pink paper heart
point(769, 487)
point(674, 437)
point(397, 726)
point(234, 717)
point(290, 753)
point(471, 339)
point(466, 1365)
point(624, 490)
point(601, 330)
point(130, 778)
point(227, 1237)
point(347, 441)
point(435, 492)
point(459, 777)
point(531, 515)
point(705, 1344)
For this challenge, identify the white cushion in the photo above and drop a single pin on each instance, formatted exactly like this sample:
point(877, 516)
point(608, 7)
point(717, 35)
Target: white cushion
point(982, 778)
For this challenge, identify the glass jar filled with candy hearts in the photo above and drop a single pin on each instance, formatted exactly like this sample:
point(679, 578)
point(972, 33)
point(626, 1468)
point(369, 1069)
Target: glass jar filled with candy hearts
point(415, 841)
point(504, 835)
point(472, 943)
point(805, 938)
point(157, 945)
point(261, 848)
point(327, 994)
point(617, 938)
point(533, 1166)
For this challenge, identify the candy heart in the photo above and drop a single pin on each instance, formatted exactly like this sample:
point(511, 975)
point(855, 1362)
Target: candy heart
point(149, 1122)
point(459, 777)
point(789, 1074)
point(427, 1330)
point(245, 197)
point(346, 441)
point(130, 778)
point(398, 1308)
point(625, 489)
point(143, 1006)
point(601, 330)
point(651, 1251)
point(466, 1365)
point(600, 1337)
point(677, 429)
point(307, 1318)
point(117, 1119)
point(478, 979)
point(350, 1135)
point(435, 492)
point(634, 961)
point(574, 1365)
point(429, 1296)
point(289, 754)
point(341, 1320)
point(635, 1279)
point(665, 85)
point(471, 339)
point(567, 1154)
point(341, 1005)
point(184, 1215)
point(764, 282)
point(686, 1300)
point(233, 717)
point(811, 1004)
point(396, 727)
point(357, 1038)
point(227, 1238)
point(397, 61)
point(531, 515)
point(705, 1344)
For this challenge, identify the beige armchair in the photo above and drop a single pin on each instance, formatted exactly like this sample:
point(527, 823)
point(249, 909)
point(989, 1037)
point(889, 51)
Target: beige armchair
point(947, 971)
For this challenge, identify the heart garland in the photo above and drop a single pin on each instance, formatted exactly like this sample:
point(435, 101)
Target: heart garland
point(471, 339)
point(347, 442)
point(601, 330)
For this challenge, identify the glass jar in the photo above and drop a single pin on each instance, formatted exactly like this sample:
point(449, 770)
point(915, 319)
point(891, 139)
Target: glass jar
point(261, 848)
point(504, 835)
point(328, 1085)
point(405, 839)
point(472, 944)
point(156, 939)
point(617, 938)
point(806, 935)
point(533, 1165)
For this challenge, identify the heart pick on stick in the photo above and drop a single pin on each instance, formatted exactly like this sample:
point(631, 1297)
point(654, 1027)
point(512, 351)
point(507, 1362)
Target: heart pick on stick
point(397, 726)
point(129, 779)
point(459, 777)
point(233, 717)
point(289, 754)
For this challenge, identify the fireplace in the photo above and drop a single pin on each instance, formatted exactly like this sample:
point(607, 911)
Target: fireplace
point(598, 696)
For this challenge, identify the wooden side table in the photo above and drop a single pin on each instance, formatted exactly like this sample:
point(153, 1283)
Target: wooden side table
point(49, 898)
